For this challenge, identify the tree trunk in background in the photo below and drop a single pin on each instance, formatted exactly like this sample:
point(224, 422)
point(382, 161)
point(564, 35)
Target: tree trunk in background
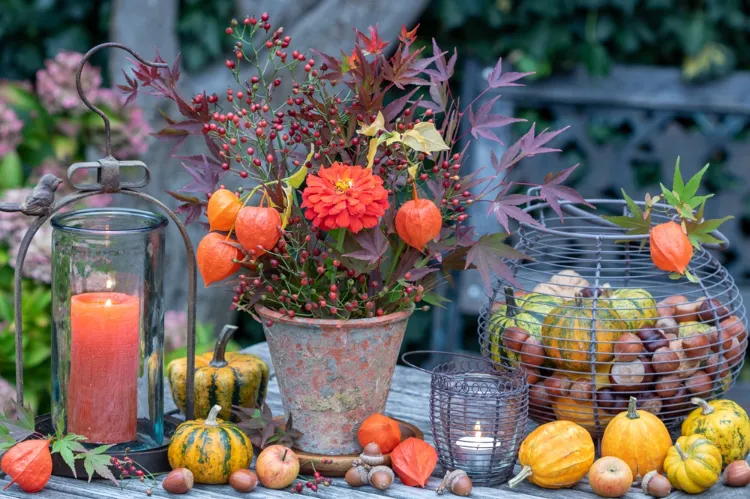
point(145, 25)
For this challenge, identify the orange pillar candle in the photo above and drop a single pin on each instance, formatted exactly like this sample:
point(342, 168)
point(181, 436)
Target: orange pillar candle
point(103, 388)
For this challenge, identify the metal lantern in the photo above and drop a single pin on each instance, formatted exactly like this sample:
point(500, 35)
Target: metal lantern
point(107, 308)
point(587, 283)
point(478, 414)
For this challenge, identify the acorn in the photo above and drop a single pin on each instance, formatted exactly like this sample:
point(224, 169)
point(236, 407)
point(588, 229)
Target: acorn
point(737, 474)
point(456, 481)
point(178, 481)
point(381, 477)
point(356, 476)
point(372, 455)
point(243, 480)
point(656, 485)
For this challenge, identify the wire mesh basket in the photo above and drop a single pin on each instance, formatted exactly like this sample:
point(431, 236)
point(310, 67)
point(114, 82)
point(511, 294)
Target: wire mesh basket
point(478, 414)
point(592, 321)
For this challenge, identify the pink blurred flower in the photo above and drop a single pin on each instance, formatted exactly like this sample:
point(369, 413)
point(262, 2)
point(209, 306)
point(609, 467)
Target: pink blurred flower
point(7, 395)
point(130, 135)
point(13, 226)
point(56, 84)
point(10, 129)
point(175, 326)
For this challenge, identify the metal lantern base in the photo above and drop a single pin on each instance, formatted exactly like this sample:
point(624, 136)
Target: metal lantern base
point(154, 460)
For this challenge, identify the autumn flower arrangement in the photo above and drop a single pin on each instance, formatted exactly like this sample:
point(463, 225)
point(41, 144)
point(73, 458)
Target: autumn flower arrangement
point(352, 194)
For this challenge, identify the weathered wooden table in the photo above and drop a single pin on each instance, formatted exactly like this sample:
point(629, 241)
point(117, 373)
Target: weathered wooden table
point(408, 400)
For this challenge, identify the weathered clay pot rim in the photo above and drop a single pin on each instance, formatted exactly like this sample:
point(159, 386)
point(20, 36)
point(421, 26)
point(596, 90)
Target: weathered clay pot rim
point(275, 316)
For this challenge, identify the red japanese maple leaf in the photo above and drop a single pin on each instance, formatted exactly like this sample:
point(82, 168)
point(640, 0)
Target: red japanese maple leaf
point(373, 44)
point(408, 37)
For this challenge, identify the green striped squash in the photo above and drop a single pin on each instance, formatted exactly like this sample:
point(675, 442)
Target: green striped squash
point(211, 448)
point(636, 307)
point(221, 378)
point(566, 334)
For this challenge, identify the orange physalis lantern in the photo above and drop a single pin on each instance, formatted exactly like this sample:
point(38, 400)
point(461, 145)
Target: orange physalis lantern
point(29, 464)
point(257, 229)
point(223, 206)
point(414, 461)
point(670, 247)
point(418, 221)
point(216, 258)
point(382, 430)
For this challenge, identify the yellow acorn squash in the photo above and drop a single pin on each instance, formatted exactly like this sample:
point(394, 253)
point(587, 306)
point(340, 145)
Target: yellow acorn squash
point(693, 464)
point(724, 423)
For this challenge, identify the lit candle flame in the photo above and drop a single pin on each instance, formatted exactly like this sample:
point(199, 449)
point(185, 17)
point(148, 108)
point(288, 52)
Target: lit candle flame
point(110, 283)
point(478, 430)
point(109, 303)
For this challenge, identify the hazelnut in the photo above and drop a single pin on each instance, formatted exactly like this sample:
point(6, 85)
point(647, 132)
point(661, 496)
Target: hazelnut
point(557, 385)
point(381, 477)
point(699, 383)
point(356, 476)
point(733, 325)
point(513, 338)
point(686, 311)
point(696, 347)
point(668, 325)
point(628, 347)
point(667, 386)
point(707, 308)
point(243, 480)
point(656, 485)
point(532, 352)
point(178, 481)
point(737, 474)
point(665, 360)
point(724, 341)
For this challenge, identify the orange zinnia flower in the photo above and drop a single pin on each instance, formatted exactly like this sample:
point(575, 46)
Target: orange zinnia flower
point(343, 196)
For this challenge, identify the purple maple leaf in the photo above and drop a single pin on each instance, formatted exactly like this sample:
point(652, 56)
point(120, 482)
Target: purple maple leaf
point(395, 108)
point(553, 192)
point(444, 69)
point(497, 78)
point(374, 244)
point(191, 206)
point(505, 207)
point(483, 122)
point(487, 257)
point(419, 273)
point(205, 172)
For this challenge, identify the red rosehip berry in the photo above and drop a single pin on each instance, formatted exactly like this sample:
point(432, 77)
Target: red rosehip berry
point(230, 64)
point(229, 31)
point(264, 16)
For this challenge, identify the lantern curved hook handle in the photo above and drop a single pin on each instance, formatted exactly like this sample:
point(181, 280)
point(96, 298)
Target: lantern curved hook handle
point(79, 72)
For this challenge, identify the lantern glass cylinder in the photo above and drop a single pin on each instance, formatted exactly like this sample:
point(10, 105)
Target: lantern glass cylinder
point(108, 326)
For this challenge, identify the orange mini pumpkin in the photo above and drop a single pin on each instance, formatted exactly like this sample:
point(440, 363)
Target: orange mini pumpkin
point(257, 229)
point(380, 429)
point(223, 206)
point(216, 258)
point(670, 247)
point(418, 221)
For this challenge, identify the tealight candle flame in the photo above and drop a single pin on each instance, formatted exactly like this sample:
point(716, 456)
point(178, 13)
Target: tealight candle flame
point(109, 303)
point(478, 430)
point(110, 283)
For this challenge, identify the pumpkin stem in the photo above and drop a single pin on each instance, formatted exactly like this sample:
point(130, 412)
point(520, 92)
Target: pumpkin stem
point(511, 308)
point(632, 412)
point(414, 190)
point(221, 346)
point(211, 419)
point(706, 408)
point(523, 475)
point(681, 452)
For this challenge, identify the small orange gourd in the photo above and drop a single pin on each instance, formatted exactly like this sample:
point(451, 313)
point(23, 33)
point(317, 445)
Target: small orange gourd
point(380, 429)
point(418, 221)
point(556, 455)
point(29, 464)
point(216, 258)
point(257, 229)
point(223, 206)
point(670, 247)
point(639, 438)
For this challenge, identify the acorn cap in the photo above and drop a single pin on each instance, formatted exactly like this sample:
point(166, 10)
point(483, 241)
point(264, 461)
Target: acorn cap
point(372, 459)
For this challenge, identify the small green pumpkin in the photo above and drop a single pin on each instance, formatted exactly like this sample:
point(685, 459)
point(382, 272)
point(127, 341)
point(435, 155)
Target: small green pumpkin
point(212, 448)
point(567, 330)
point(692, 328)
point(635, 306)
point(221, 378)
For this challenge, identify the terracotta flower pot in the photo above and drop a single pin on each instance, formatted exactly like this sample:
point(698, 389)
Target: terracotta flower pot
point(333, 374)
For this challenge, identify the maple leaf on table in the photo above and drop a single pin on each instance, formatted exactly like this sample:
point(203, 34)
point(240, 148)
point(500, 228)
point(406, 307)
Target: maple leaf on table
point(487, 256)
point(373, 44)
point(553, 192)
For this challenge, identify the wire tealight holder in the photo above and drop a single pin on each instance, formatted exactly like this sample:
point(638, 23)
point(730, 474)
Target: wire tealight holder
point(477, 415)
point(593, 322)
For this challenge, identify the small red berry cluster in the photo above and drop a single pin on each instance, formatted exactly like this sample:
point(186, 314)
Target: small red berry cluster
point(313, 483)
point(129, 469)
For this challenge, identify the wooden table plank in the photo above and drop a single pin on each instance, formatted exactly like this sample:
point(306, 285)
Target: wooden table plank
point(408, 400)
